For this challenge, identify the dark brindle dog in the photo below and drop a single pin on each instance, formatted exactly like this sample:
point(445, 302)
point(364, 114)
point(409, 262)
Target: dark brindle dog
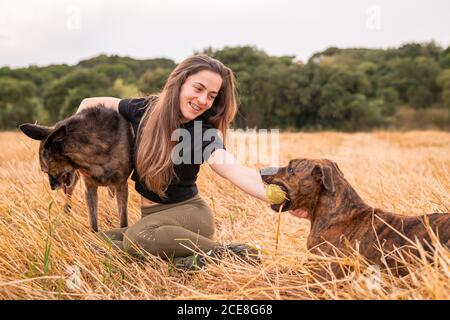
point(339, 217)
point(95, 143)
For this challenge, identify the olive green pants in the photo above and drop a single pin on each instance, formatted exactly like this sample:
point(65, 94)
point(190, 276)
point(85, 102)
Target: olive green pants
point(168, 230)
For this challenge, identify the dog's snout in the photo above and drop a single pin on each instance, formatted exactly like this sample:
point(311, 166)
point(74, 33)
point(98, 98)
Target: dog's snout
point(268, 171)
point(53, 182)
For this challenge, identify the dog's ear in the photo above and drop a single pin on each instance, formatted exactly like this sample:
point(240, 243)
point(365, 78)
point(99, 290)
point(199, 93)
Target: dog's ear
point(35, 131)
point(58, 135)
point(56, 138)
point(324, 174)
point(335, 166)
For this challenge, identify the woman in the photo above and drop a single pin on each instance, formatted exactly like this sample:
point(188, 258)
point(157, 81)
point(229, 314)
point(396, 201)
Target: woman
point(175, 219)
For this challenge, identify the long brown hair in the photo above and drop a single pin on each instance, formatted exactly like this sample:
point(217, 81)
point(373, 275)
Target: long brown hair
point(154, 146)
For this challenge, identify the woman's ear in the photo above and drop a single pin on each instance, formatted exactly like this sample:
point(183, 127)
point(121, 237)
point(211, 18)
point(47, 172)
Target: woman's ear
point(324, 174)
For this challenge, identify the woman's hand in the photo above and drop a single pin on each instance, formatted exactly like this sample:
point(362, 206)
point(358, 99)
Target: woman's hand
point(108, 102)
point(300, 213)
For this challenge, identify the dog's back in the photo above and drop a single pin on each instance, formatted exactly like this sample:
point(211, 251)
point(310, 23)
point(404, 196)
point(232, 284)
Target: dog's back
point(406, 230)
point(99, 143)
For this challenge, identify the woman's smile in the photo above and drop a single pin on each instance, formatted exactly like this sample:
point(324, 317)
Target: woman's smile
point(194, 107)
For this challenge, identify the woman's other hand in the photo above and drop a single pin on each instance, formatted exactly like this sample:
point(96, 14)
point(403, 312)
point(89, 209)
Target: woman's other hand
point(108, 102)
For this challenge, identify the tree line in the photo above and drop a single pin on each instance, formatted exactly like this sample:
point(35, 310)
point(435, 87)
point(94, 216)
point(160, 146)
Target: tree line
point(336, 89)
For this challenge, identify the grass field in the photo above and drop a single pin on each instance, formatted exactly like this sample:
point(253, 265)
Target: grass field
point(40, 245)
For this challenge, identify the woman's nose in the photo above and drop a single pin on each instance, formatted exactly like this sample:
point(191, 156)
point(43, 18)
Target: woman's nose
point(202, 99)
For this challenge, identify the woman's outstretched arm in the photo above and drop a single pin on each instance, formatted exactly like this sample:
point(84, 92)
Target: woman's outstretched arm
point(244, 178)
point(248, 180)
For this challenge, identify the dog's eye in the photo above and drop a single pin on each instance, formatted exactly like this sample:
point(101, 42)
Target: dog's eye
point(290, 171)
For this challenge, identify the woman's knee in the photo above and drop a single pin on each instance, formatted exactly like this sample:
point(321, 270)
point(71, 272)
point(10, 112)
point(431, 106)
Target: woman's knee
point(140, 240)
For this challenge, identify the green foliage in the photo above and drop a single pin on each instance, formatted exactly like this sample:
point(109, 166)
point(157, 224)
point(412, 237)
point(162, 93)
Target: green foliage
point(152, 81)
point(120, 89)
point(337, 89)
point(138, 67)
point(18, 102)
point(115, 71)
point(62, 97)
point(443, 81)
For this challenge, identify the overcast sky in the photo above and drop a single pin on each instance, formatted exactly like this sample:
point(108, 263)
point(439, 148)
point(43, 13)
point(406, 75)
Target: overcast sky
point(45, 32)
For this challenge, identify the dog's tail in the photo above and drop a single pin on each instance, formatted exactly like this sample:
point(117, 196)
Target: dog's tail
point(112, 192)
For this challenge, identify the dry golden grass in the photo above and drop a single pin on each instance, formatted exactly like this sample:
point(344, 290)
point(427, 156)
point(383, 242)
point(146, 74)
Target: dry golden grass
point(407, 173)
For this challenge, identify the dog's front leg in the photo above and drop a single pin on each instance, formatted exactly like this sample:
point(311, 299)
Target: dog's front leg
point(122, 201)
point(92, 202)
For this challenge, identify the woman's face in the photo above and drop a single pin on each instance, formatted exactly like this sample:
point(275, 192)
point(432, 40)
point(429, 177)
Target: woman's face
point(198, 93)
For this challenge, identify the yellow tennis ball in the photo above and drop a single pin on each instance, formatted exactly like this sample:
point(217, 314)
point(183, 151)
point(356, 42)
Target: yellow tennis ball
point(274, 194)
